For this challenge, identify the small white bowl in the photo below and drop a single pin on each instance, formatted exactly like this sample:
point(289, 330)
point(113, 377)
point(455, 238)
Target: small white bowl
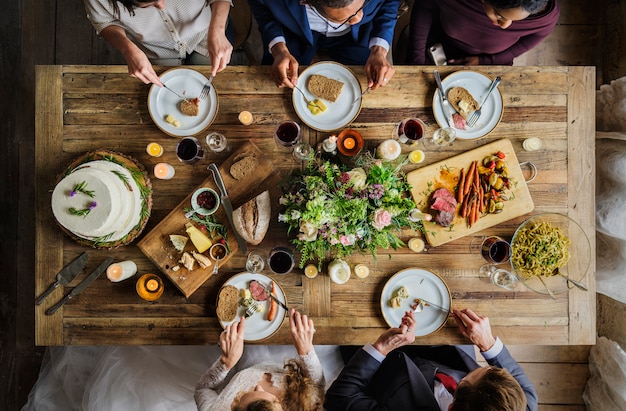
point(202, 210)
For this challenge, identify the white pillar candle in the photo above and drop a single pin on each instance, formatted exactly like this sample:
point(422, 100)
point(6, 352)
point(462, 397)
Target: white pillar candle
point(389, 150)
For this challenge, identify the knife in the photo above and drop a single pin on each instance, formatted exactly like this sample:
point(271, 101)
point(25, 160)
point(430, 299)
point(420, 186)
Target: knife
point(273, 297)
point(228, 206)
point(67, 274)
point(445, 104)
point(433, 305)
point(179, 96)
point(83, 284)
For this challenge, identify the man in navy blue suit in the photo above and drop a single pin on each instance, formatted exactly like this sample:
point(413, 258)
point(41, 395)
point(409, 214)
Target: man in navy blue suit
point(352, 32)
point(391, 375)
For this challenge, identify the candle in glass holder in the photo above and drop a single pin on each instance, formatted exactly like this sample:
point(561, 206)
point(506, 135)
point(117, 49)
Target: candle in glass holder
point(532, 144)
point(154, 149)
point(245, 118)
point(164, 171)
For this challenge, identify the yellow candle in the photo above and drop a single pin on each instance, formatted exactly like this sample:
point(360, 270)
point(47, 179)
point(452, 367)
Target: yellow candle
point(154, 149)
point(152, 284)
point(361, 270)
point(310, 271)
point(163, 171)
point(349, 143)
point(245, 117)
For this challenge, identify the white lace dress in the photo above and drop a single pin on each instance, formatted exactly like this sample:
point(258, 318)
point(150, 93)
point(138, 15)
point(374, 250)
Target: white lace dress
point(212, 395)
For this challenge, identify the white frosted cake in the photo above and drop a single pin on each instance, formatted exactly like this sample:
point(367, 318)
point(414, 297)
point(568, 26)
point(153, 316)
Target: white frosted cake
point(102, 201)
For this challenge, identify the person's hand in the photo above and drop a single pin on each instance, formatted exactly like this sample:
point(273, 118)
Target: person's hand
point(220, 50)
point(139, 66)
point(378, 70)
point(284, 70)
point(302, 331)
point(465, 61)
point(397, 337)
point(231, 343)
point(475, 328)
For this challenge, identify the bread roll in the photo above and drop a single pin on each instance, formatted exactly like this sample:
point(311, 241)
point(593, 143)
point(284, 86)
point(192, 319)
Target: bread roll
point(227, 303)
point(462, 101)
point(253, 218)
point(243, 166)
point(324, 87)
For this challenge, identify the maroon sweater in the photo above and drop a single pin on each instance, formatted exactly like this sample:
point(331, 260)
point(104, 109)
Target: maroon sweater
point(465, 30)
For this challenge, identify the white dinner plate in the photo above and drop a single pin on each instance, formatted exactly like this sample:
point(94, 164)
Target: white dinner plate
point(257, 325)
point(338, 114)
point(420, 284)
point(477, 84)
point(188, 83)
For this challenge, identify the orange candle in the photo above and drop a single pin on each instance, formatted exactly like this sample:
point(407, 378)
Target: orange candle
point(154, 149)
point(245, 117)
point(349, 143)
point(164, 171)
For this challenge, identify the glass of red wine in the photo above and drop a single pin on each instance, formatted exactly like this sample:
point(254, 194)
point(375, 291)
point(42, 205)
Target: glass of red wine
point(495, 250)
point(287, 134)
point(281, 260)
point(189, 150)
point(410, 130)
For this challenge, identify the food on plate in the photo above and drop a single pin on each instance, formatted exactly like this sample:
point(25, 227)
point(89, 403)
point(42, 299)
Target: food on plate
point(200, 240)
point(324, 87)
point(258, 291)
point(252, 219)
point(227, 303)
point(462, 101)
point(418, 305)
point(443, 201)
point(179, 241)
point(316, 106)
point(203, 260)
point(540, 250)
point(271, 314)
point(187, 261)
point(190, 107)
point(483, 188)
point(398, 296)
point(244, 164)
point(459, 122)
point(169, 119)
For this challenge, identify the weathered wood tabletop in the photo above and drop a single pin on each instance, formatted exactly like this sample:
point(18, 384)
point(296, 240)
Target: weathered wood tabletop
point(82, 108)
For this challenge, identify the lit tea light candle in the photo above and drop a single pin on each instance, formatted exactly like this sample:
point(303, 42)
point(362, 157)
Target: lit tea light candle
point(310, 271)
point(121, 271)
point(349, 143)
point(245, 117)
point(154, 149)
point(164, 171)
point(361, 270)
point(389, 150)
point(532, 144)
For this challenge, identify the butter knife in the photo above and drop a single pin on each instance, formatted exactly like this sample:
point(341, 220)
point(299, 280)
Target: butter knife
point(65, 276)
point(228, 206)
point(83, 284)
point(172, 91)
point(273, 297)
point(445, 104)
point(428, 303)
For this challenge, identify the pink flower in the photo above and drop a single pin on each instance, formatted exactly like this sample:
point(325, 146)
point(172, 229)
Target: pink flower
point(346, 240)
point(382, 218)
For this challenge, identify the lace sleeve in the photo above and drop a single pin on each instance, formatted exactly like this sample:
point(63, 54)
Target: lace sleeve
point(312, 364)
point(206, 388)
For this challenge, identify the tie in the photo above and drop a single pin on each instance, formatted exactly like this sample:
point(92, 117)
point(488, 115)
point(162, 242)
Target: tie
point(447, 381)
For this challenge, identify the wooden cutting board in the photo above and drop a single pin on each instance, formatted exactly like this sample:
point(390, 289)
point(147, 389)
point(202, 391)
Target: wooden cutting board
point(157, 246)
point(425, 181)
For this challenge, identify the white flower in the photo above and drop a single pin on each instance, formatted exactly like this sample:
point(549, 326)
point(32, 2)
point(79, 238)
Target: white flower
point(295, 214)
point(358, 178)
point(283, 201)
point(282, 218)
point(308, 231)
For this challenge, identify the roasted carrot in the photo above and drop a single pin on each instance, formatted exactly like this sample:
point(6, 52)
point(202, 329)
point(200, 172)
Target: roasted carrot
point(481, 199)
point(476, 179)
point(460, 187)
point(273, 306)
point(464, 207)
point(468, 179)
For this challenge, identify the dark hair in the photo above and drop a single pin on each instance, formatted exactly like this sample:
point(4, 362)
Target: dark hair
point(331, 4)
point(531, 6)
point(496, 390)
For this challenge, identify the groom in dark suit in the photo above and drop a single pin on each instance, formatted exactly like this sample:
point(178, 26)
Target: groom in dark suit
point(390, 375)
point(353, 32)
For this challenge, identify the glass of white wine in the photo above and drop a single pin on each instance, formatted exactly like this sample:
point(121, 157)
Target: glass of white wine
point(442, 137)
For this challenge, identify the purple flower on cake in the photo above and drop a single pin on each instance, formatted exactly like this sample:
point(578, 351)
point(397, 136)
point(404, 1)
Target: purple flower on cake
point(93, 205)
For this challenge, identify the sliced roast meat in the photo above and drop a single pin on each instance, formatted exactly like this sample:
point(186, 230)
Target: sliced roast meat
point(441, 204)
point(444, 218)
point(443, 193)
point(257, 290)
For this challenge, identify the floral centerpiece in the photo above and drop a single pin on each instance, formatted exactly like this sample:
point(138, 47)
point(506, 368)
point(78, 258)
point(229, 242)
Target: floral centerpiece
point(340, 209)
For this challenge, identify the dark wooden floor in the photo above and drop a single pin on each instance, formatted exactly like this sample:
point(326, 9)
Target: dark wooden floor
point(57, 32)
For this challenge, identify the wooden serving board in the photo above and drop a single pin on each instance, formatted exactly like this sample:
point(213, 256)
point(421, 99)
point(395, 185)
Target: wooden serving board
point(157, 246)
point(446, 174)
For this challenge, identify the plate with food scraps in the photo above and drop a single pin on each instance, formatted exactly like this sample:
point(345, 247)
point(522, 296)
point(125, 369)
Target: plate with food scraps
point(477, 84)
point(165, 107)
point(338, 114)
point(258, 327)
point(405, 287)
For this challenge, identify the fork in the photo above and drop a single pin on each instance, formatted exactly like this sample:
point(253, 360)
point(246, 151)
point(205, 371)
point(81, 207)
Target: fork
point(206, 89)
point(471, 121)
point(251, 309)
point(367, 90)
point(306, 100)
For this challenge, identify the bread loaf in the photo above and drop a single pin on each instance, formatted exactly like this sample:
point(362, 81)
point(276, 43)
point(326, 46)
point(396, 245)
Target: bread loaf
point(190, 107)
point(227, 303)
point(462, 101)
point(252, 219)
point(324, 87)
point(243, 166)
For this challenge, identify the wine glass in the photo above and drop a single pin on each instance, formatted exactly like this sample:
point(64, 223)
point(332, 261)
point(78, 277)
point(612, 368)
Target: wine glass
point(302, 150)
point(217, 142)
point(441, 137)
point(495, 250)
point(409, 131)
point(255, 262)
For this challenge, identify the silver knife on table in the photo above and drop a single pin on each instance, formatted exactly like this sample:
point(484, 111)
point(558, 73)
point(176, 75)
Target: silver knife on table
point(445, 104)
point(83, 284)
point(228, 206)
point(65, 276)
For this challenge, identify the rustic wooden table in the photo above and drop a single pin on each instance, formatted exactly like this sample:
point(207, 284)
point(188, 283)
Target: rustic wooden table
point(83, 108)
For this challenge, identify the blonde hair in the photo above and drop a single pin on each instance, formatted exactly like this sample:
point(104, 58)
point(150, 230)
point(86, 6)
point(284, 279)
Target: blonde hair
point(496, 390)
